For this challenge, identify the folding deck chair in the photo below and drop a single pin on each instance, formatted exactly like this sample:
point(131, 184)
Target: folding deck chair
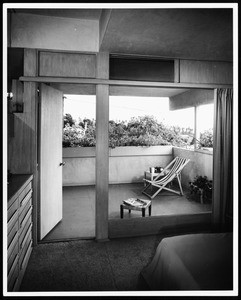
point(161, 181)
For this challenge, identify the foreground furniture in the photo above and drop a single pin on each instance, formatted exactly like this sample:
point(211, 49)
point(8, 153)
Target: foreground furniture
point(202, 261)
point(160, 182)
point(19, 228)
point(138, 208)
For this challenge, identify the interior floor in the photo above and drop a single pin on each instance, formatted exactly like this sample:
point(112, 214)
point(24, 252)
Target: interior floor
point(79, 208)
point(86, 265)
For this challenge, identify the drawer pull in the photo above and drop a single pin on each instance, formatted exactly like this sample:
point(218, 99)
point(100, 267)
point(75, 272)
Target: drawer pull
point(26, 255)
point(26, 198)
point(12, 218)
point(26, 217)
point(12, 243)
point(26, 236)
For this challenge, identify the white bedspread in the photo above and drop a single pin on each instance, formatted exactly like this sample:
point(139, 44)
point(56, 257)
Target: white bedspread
point(192, 262)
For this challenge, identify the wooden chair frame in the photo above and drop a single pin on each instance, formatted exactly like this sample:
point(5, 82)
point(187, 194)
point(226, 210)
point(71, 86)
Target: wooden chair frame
point(175, 166)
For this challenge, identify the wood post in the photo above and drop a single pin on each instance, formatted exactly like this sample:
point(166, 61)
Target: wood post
point(102, 149)
point(102, 161)
point(30, 96)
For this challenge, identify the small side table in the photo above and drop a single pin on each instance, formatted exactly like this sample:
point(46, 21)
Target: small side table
point(150, 175)
point(139, 208)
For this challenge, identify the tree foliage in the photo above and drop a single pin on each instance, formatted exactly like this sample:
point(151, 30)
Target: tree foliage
point(139, 131)
point(206, 138)
point(68, 120)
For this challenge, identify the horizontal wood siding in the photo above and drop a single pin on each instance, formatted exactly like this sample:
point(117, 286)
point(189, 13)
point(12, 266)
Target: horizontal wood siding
point(206, 72)
point(67, 64)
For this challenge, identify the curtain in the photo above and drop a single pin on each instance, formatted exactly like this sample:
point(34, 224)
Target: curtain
point(223, 159)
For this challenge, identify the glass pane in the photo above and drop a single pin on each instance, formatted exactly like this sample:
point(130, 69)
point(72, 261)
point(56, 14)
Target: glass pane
point(205, 126)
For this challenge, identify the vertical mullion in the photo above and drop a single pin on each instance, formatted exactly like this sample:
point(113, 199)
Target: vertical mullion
point(102, 161)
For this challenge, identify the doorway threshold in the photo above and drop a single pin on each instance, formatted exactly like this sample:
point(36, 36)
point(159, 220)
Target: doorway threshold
point(60, 240)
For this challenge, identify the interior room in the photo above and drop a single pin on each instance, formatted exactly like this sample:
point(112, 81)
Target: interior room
point(68, 226)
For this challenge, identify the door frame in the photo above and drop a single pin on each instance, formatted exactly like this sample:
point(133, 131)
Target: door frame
point(107, 82)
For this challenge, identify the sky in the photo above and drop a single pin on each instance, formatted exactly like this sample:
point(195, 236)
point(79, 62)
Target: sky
point(123, 108)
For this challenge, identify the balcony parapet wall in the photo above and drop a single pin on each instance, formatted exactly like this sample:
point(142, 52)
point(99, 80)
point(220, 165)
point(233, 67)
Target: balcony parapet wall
point(201, 163)
point(126, 164)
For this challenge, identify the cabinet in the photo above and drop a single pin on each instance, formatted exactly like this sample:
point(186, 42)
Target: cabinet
point(19, 228)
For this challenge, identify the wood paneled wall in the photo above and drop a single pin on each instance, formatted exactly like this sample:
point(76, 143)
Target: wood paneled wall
point(210, 72)
point(22, 147)
point(67, 64)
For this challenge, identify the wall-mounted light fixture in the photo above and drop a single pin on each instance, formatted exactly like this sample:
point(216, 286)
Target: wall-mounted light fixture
point(15, 98)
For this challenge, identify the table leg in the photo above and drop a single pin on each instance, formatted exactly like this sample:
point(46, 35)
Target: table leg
point(121, 211)
point(143, 212)
point(150, 210)
point(129, 211)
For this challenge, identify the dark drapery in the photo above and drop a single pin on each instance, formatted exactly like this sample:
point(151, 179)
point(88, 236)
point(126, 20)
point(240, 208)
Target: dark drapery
point(223, 159)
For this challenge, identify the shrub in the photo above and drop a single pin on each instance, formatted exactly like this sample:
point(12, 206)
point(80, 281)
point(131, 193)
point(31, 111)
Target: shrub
point(201, 183)
point(206, 138)
point(72, 136)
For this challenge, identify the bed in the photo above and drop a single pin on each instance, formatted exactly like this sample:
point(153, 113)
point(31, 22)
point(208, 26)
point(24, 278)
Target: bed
point(202, 261)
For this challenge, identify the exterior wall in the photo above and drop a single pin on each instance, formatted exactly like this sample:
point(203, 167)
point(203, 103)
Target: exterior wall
point(126, 164)
point(201, 163)
point(191, 98)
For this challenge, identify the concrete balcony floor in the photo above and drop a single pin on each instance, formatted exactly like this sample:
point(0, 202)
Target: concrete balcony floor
point(79, 208)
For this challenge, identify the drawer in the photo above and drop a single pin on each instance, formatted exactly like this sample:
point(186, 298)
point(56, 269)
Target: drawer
point(23, 217)
point(12, 238)
point(25, 191)
point(23, 262)
point(12, 256)
point(12, 214)
point(13, 275)
point(24, 201)
point(25, 255)
point(27, 230)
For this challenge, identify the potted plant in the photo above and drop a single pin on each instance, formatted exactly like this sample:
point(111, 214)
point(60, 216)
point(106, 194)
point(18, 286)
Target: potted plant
point(201, 188)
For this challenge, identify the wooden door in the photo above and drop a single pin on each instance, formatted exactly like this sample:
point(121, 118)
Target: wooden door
point(51, 124)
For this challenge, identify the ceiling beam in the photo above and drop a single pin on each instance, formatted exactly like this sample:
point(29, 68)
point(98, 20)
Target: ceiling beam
point(123, 82)
point(103, 24)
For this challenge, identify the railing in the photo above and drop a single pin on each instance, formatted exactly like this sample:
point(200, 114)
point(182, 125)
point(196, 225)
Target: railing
point(127, 164)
